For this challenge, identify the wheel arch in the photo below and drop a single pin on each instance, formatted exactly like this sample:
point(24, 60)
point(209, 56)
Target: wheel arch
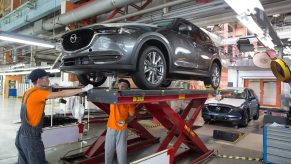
point(153, 39)
point(217, 60)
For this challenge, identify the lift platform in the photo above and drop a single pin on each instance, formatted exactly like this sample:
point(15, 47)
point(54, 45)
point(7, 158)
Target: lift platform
point(155, 101)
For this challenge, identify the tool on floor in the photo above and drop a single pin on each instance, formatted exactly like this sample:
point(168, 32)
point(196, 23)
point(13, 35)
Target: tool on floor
point(227, 135)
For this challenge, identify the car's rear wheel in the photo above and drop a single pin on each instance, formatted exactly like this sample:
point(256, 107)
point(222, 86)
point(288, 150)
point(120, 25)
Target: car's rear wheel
point(92, 78)
point(151, 69)
point(214, 79)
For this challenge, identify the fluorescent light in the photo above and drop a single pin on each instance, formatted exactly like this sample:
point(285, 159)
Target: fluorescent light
point(28, 72)
point(244, 9)
point(12, 37)
point(25, 42)
point(244, 6)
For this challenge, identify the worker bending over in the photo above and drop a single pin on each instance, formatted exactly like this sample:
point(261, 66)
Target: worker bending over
point(28, 140)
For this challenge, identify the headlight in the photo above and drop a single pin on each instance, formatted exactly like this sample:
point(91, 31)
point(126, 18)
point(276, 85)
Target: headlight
point(126, 31)
point(114, 30)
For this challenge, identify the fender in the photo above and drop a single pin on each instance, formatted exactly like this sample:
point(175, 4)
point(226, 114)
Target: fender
point(146, 37)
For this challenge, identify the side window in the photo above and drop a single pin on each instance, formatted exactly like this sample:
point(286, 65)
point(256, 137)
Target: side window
point(244, 94)
point(204, 37)
point(196, 34)
point(252, 93)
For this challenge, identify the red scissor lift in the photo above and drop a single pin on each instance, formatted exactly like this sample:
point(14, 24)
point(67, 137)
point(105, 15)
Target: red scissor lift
point(155, 101)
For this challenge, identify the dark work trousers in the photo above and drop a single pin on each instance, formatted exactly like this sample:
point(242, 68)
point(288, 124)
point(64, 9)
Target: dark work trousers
point(28, 140)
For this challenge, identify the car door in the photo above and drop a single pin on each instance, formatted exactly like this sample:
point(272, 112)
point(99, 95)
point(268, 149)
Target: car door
point(207, 50)
point(183, 46)
point(253, 102)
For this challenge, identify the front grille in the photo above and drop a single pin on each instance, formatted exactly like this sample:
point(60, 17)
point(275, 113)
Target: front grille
point(219, 109)
point(77, 40)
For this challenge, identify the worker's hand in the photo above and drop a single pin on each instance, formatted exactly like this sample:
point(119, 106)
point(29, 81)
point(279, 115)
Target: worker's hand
point(87, 88)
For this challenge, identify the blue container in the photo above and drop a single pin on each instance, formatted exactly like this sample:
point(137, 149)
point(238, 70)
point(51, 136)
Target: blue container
point(277, 144)
point(12, 92)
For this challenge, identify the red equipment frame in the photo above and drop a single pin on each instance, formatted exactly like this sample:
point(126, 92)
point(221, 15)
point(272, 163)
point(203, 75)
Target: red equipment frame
point(156, 104)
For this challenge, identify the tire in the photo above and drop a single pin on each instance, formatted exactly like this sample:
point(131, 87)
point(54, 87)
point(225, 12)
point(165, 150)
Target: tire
point(245, 120)
point(206, 121)
point(215, 75)
point(256, 117)
point(91, 78)
point(150, 75)
point(166, 83)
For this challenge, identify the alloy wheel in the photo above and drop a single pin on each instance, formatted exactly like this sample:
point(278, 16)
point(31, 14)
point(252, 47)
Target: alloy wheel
point(154, 67)
point(215, 76)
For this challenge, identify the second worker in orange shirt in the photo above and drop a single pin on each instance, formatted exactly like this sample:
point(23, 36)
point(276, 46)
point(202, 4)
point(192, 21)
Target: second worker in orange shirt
point(116, 135)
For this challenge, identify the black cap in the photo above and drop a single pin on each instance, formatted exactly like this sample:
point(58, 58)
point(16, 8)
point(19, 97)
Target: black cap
point(36, 74)
point(124, 81)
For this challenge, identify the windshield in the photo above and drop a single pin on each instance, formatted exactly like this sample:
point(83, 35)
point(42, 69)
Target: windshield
point(237, 94)
point(163, 23)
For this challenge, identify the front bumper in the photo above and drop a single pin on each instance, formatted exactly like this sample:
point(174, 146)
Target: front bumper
point(102, 68)
point(234, 116)
point(220, 117)
point(107, 62)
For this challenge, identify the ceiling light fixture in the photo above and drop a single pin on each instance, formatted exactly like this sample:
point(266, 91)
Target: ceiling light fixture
point(244, 11)
point(253, 27)
point(12, 37)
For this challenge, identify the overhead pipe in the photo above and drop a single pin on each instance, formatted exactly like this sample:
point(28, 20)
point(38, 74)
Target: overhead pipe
point(143, 11)
point(91, 9)
point(194, 10)
point(86, 11)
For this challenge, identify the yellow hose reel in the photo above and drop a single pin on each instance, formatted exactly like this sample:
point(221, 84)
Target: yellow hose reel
point(281, 70)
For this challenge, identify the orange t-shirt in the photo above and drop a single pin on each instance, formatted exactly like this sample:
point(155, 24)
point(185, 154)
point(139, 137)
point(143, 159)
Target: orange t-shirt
point(119, 113)
point(35, 105)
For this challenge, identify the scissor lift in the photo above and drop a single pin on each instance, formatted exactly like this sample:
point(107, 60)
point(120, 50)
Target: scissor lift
point(155, 101)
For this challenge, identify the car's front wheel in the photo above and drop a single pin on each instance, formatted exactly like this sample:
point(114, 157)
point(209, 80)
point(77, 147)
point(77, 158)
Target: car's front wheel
point(214, 78)
point(151, 69)
point(92, 78)
point(256, 117)
point(245, 119)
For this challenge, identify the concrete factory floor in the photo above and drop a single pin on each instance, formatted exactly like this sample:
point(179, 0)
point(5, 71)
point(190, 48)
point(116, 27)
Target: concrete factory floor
point(250, 145)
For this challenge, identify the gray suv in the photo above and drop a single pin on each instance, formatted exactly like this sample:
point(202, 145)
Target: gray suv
point(152, 54)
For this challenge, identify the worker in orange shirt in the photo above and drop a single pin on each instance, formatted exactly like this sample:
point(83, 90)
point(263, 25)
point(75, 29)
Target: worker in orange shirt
point(28, 140)
point(116, 135)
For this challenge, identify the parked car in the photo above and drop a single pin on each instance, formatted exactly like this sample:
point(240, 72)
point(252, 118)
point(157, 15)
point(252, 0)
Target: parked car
point(237, 105)
point(152, 54)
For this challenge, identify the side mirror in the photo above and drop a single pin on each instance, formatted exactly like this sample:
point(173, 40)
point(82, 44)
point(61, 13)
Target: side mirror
point(185, 28)
point(252, 97)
